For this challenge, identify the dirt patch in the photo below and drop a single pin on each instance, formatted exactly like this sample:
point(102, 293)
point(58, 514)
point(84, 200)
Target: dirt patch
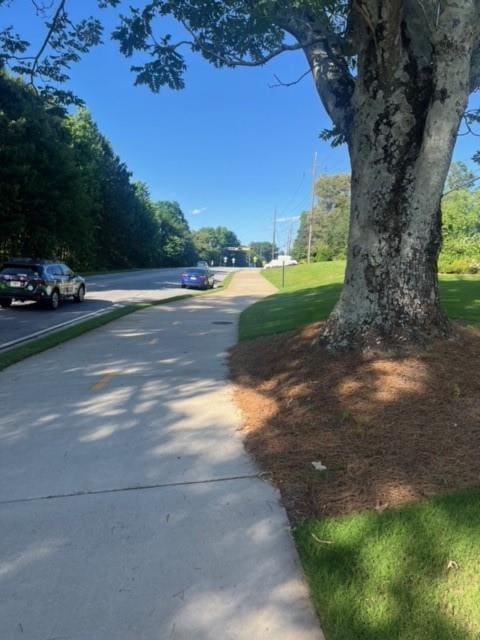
point(389, 430)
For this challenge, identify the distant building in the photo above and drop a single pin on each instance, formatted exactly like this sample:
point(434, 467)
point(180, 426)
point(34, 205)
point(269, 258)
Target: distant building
point(238, 254)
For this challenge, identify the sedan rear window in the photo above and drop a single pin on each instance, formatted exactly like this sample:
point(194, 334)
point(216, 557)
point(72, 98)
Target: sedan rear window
point(197, 272)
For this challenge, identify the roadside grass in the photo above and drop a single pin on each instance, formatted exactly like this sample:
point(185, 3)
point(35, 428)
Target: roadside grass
point(408, 574)
point(31, 348)
point(224, 284)
point(460, 295)
point(12, 356)
point(311, 291)
point(108, 272)
point(309, 295)
point(304, 276)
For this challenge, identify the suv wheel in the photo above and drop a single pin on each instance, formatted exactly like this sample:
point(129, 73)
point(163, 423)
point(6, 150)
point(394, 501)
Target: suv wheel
point(7, 302)
point(54, 300)
point(80, 294)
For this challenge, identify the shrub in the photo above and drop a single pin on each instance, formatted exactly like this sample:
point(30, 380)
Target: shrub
point(323, 252)
point(447, 264)
point(460, 254)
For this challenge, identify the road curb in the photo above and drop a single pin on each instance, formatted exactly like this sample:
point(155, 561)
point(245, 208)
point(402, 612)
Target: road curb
point(57, 327)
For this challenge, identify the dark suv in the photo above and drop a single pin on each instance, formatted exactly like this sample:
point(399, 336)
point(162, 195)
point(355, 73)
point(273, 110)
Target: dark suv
point(43, 281)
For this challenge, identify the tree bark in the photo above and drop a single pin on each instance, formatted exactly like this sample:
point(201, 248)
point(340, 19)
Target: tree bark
point(407, 105)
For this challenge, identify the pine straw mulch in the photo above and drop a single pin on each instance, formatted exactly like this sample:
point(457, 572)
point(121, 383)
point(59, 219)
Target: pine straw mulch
point(389, 429)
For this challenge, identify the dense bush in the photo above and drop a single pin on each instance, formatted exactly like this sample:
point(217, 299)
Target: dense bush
point(460, 255)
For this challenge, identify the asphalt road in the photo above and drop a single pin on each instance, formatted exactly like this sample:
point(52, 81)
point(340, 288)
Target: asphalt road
point(103, 291)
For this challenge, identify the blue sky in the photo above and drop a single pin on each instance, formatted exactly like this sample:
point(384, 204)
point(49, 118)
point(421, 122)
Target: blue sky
point(229, 148)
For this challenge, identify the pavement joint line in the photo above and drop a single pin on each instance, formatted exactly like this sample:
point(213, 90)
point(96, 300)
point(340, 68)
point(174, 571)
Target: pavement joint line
point(140, 487)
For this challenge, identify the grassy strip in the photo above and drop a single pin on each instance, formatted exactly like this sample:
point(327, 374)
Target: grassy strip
point(306, 276)
point(12, 356)
point(224, 284)
point(33, 347)
point(311, 292)
point(406, 574)
point(107, 272)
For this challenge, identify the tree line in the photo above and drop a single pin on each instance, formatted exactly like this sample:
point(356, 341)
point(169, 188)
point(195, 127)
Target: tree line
point(460, 215)
point(65, 194)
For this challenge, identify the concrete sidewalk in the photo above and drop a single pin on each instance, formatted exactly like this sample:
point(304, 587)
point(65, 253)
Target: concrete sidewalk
point(128, 506)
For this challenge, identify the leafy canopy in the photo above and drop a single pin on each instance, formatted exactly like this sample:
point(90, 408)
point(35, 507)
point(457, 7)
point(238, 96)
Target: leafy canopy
point(226, 33)
point(332, 34)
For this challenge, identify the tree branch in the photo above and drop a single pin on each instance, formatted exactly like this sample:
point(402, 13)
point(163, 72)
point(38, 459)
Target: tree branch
point(475, 69)
point(467, 123)
point(334, 84)
point(53, 25)
point(461, 185)
point(289, 84)
point(234, 61)
point(328, 65)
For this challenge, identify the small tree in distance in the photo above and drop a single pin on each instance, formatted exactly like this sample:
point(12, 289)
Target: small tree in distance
point(211, 242)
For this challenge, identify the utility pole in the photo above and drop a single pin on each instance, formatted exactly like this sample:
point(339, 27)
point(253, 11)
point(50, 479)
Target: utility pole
point(310, 224)
point(274, 232)
point(289, 239)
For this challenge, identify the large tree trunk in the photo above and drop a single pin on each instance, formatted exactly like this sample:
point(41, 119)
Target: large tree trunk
point(406, 109)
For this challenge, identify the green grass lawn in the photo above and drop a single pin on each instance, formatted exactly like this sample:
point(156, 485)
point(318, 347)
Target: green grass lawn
point(311, 292)
point(405, 574)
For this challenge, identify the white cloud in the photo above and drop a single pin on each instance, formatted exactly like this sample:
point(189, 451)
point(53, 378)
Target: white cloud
point(197, 212)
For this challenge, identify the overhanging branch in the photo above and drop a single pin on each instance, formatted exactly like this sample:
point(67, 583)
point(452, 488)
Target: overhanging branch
point(51, 30)
point(461, 185)
point(235, 61)
point(475, 69)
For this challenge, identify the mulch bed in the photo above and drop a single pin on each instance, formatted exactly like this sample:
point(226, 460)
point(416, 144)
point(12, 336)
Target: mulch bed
point(389, 429)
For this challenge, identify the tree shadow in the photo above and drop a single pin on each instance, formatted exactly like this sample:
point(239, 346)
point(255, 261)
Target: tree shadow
point(129, 507)
point(288, 310)
point(409, 573)
point(390, 430)
point(461, 297)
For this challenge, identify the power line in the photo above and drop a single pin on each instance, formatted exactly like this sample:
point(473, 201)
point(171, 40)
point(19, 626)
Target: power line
point(288, 205)
point(274, 231)
point(310, 226)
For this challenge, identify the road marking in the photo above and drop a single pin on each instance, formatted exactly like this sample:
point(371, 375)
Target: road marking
point(104, 380)
point(61, 325)
point(77, 320)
